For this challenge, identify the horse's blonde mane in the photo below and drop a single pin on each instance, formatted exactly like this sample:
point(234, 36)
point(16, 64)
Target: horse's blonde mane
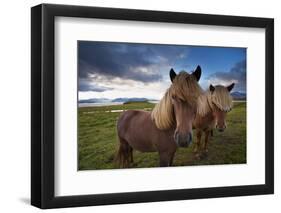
point(219, 98)
point(184, 87)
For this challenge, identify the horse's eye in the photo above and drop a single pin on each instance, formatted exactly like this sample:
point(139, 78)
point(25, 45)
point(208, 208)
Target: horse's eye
point(183, 101)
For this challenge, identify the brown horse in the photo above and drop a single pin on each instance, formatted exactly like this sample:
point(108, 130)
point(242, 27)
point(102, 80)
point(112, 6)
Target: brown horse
point(168, 125)
point(212, 108)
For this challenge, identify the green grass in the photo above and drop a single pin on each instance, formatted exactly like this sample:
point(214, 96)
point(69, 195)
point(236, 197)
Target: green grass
point(98, 141)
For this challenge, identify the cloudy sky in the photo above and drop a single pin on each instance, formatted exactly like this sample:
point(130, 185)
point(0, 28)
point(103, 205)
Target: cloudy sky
point(113, 70)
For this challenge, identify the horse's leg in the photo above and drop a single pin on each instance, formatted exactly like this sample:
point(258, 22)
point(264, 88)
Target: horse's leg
point(125, 153)
point(171, 159)
point(131, 155)
point(198, 141)
point(207, 134)
point(165, 159)
point(212, 133)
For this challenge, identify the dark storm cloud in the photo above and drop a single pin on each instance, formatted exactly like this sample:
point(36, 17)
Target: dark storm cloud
point(137, 62)
point(85, 86)
point(237, 74)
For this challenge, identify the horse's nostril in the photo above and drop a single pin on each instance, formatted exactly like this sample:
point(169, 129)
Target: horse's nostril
point(221, 127)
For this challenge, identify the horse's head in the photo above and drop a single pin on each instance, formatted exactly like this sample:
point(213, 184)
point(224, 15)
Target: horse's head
point(221, 104)
point(184, 93)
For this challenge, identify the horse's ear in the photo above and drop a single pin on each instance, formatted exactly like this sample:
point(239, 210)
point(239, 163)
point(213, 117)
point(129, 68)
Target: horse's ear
point(230, 87)
point(172, 74)
point(212, 88)
point(197, 73)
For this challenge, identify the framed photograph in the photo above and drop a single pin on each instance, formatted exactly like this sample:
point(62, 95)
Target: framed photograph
point(139, 106)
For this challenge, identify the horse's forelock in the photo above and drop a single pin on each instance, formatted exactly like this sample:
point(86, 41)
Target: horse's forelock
point(219, 98)
point(222, 98)
point(184, 87)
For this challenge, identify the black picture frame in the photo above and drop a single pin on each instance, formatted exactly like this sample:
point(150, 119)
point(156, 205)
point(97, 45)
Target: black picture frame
point(43, 102)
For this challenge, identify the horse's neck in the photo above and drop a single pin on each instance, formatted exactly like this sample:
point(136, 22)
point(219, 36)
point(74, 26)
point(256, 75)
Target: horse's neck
point(209, 114)
point(205, 114)
point(204, 105)
point(204, 121)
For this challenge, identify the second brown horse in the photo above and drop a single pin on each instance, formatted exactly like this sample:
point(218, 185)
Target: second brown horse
point(212, 108)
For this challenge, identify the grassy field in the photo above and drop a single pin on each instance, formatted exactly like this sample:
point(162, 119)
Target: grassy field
point(98, 140)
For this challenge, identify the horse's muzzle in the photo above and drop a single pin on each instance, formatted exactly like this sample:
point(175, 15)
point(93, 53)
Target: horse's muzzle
point(183, 140)
point(221, 128)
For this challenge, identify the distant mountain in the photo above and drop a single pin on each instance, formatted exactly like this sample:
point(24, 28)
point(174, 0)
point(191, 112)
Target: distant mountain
point(235, 95)
point(129, 100)
point(121, 100)
point(95, 100)
point(238, 95)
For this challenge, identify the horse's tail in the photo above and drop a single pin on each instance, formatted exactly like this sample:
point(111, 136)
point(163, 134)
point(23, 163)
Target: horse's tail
point(125, 154)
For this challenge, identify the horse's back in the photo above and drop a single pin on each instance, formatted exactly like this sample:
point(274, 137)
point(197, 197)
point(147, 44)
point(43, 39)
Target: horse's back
point(125, 119)
point(135, 126)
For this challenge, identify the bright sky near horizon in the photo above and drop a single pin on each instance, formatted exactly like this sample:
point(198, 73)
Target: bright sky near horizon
point(112, 70)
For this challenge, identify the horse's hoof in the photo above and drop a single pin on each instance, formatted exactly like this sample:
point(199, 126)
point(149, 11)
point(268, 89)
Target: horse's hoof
point(195, 151)
point(197, 156)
